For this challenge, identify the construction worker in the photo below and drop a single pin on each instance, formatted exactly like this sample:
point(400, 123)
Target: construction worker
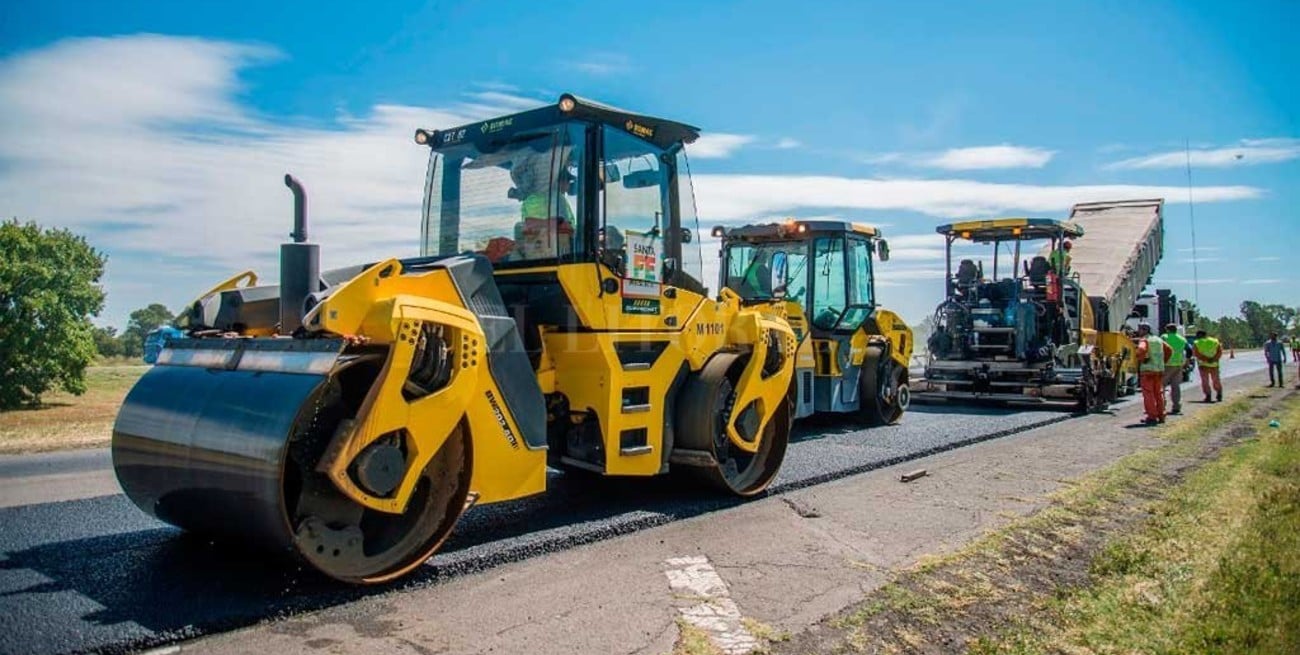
point(1060, 259)
point(1295, 347)
point(1174, 367)
point(1152, 356)
point(1208, 351)
point(1275, 356)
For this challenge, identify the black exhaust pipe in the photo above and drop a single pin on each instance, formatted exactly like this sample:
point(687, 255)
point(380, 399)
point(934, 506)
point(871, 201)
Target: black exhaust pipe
point(299, 263)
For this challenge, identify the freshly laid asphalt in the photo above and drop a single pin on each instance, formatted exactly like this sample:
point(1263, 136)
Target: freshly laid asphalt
point(96, 574)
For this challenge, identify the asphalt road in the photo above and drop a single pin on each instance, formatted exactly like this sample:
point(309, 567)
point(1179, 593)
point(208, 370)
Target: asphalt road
point(96, 574)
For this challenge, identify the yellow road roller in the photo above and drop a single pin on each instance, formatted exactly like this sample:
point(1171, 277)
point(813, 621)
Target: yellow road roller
point(853, 354)
point(555, 318)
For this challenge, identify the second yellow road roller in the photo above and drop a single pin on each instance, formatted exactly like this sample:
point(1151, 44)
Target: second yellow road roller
point(555, 317)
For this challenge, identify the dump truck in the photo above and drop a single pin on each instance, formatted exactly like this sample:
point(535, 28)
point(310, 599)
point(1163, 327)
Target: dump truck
point(1023, 329)
point(1116, 261)
point(349, 417)
point(820, 274)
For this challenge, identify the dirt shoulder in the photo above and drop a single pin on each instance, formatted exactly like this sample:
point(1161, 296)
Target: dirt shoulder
point(66, 421)
point(1180, 547)
point(752, 575)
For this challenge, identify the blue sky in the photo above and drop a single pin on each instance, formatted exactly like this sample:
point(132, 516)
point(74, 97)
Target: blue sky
point(160, 129)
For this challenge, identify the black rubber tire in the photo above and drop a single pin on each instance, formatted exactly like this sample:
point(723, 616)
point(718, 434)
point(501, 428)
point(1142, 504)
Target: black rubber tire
point(882, 406)
point(704, 406)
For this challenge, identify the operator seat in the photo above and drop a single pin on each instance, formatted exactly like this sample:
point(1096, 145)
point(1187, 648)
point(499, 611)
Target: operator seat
point(1037, 271)
point(967, 276)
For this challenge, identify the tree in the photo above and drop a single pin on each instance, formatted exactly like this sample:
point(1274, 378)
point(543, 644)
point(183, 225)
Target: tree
point(1264, 320)
point(48, 292)
point(107, 342)
point(142, 322)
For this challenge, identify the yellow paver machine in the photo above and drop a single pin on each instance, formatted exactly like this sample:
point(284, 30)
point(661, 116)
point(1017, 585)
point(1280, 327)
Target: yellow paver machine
point(555, 317)
point(853, 353)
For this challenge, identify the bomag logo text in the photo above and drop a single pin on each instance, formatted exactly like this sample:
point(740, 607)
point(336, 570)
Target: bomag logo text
point(496, 126)
point(501, 421)
point(643, 131)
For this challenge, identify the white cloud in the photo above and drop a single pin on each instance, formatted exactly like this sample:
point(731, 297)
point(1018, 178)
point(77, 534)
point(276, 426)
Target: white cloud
point(718, 145)
point(1266, 259)
point(1246, 152)
point(1198, 260)
point(724, 197)
point(141, 143)
point(601, 64)
point(1201, 249)
point(1262, 281)
point(989, 157)
point(975, 158)
point(787, 143)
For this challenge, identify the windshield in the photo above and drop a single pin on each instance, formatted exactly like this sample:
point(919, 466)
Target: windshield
point(513, 201)
point(762, 271)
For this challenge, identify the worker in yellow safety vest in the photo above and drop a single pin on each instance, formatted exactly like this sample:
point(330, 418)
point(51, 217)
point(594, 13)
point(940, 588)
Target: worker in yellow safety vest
point(1060, 259)
point(1174, 367)
point(1152, 356)
point(1208, 351)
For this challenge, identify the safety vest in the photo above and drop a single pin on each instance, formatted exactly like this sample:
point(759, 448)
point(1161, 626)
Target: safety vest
point(1060, 261)
point(1179, 344)
point(1207, 346)
point(537, 205)
point(1155, 361)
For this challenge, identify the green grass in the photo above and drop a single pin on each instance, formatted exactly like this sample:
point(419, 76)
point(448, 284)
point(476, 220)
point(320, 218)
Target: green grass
point(1208, 564)
point(1215, 569)
point(68, 421)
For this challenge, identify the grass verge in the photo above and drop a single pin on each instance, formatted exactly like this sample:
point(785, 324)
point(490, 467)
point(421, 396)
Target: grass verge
point(68, 421)
point(1193, 546)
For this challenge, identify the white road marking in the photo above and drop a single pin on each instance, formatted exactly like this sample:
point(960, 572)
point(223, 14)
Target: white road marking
point(710, 607)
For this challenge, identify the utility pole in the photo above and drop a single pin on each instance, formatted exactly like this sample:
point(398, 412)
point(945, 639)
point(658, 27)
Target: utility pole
point(1191, 215)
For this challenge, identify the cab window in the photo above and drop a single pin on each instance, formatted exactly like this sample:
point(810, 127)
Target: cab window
point(633, 196)
point(830, 293)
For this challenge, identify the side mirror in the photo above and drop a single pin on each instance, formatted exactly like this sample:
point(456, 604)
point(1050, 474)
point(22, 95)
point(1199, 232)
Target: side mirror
point(882, 250)
point(642, 179)
point(611, 173)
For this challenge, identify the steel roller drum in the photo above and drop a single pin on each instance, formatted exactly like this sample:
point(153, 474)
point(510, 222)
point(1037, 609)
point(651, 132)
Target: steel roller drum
point(206, 450)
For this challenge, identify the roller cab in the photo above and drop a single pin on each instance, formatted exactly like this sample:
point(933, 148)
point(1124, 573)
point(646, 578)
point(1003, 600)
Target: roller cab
point(555, 317)
point(853, 354)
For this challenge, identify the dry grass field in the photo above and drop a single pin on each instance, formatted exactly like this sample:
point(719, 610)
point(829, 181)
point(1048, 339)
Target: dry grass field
point(67, 421)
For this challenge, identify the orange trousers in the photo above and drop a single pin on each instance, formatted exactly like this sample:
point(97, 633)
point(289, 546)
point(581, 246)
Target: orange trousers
point(1210, 378)
point(1153, 395)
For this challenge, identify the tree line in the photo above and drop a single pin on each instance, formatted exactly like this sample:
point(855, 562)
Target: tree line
point(1253, 324)
point(130, 342)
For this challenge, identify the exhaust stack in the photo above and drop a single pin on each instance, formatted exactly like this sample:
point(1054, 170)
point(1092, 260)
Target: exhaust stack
point(299, 263)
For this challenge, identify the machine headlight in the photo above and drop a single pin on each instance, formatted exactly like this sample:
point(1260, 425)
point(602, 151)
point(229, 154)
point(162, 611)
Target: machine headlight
point(422, 137)
point(567, 103)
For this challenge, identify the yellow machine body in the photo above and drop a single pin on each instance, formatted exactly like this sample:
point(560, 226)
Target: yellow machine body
point(351, 416)
point(853, 354)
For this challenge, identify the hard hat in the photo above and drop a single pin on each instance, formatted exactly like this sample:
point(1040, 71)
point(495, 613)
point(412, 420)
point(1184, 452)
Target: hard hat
point(1144, 326)
point(1171, 328)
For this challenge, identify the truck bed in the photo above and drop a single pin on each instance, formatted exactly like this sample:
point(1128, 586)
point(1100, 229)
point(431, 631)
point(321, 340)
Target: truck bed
point(1122, 243)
